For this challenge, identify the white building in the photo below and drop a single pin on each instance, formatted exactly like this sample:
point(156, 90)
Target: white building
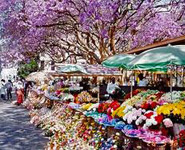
point(9, 73)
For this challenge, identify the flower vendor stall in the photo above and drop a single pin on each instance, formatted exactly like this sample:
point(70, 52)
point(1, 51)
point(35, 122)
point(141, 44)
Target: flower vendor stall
point(161, 58)
point(148, 120)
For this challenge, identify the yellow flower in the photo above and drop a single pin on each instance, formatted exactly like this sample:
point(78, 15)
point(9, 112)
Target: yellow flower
point(176, 111)
point(175, 108)
point(119, 112)
point(44, 87)
point(86, 106)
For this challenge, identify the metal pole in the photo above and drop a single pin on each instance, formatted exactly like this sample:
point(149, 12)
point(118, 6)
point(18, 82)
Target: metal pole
point(122, 76)
point(131, 84)
point(98, 92)
point(171, 81)
point(182, 76)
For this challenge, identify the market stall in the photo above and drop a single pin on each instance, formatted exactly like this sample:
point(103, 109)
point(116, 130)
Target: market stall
point(95, 74)
point(148, 120)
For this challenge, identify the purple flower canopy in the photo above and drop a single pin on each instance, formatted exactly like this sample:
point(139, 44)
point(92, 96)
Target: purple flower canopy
point(90, 29)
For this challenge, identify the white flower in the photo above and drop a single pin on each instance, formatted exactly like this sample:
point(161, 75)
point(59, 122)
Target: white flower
point(143, 110)
point(145, 127)
point(134, 117)
point(148, 122)
point(127, 108)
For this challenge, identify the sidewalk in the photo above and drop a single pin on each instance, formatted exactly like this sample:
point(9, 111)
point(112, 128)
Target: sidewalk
point(16, 133)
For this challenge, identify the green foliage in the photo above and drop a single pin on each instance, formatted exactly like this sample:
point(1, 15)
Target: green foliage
point(26, 68)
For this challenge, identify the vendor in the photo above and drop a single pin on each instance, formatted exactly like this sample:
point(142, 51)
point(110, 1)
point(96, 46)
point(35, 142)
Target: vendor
point(142, 80)
point(127, 82)
point(85, 84)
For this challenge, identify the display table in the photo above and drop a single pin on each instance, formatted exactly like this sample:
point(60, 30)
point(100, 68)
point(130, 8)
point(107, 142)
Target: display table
point(70, 123)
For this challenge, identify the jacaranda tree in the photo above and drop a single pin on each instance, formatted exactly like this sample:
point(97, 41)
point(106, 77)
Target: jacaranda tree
point(89, 29)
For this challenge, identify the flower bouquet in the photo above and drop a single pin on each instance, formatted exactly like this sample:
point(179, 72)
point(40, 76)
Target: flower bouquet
point(135, 92)
point(132, 115)
point(84, 97)
point(174, 111)
point(181, 138)
point(166, 98)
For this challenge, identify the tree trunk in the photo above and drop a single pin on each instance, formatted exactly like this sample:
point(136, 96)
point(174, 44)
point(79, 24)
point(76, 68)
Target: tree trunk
point(112, 39)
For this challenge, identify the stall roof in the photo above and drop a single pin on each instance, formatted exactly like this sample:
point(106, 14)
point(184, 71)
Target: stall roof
point(175, 41)
point(96, 70)
point(83, 75)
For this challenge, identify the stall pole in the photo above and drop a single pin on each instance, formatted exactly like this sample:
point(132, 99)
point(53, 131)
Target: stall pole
point(131, 84)
point(183, 76)
point(98, 92)
point(122, 76)
point(171, 81)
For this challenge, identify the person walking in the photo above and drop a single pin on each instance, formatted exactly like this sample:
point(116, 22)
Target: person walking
point(25, 87)
point(9, 86)
point(2, 89)
point(19, 92)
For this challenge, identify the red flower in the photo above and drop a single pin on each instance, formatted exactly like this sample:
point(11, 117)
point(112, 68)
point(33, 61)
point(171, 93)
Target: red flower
point(105, 107)
point(154, 104)
point(114, 105)
point(159, 94)
point(109, 111)
point(100, 108)
point(58, 92)
point(164, 132)
point(159, 119)
point(135, 92)
point(149, 114)
point(145, 106)
point(182, 133)
point(182, 138)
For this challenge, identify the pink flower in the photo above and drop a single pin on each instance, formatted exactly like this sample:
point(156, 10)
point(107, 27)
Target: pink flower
point(168, 123)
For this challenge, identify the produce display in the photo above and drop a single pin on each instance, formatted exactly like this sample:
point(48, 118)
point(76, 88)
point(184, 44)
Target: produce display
point(150, 118)
point(84, 97)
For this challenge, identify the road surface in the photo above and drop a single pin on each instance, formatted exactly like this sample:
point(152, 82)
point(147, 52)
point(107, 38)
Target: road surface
point(16, 132)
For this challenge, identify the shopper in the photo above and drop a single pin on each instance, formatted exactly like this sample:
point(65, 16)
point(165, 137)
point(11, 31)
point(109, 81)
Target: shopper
point(27, 86)
point(112, 87)
point(61, 83)
point(19, 92)
point(142, 81)
point(9, 86)
point(127, 82)
point(3, 91)
point(103, 88)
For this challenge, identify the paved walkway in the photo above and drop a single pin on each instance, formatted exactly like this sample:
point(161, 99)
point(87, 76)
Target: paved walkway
point(16, 133)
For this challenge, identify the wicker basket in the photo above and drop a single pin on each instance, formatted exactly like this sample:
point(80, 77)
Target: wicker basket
point(137, 143)
point(110, 131)
point(153, 146)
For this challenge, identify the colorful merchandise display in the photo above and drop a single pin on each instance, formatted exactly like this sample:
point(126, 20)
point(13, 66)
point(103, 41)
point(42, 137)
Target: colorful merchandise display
point(148, 119)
